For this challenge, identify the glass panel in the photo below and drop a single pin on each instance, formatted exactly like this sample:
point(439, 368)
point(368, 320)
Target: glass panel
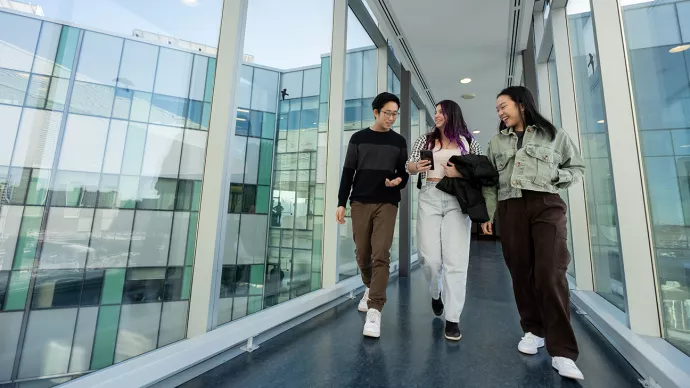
point(138, 67)
point(138, 330)
point(284, 125)
point(173, 73)
point(173, 322)
point(556, 117)
point(311, 85)
point(44, 61)
point(658, 57)
point(264, 91)
point(83, 147)
point(361, 74)
point(291, 85)
point(17, 50)
point(84, 335)
point(66, 240)
point(244, 93)
point(238, 152)
point(252, 162)
point(106, 335)
point(601, 207)
point(48, 341)
point(100, 59)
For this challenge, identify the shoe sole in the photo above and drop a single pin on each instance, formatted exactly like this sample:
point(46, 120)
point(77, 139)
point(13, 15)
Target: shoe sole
point(453, 338)
point(567, 376)
point(530, 353)
point(371, 334)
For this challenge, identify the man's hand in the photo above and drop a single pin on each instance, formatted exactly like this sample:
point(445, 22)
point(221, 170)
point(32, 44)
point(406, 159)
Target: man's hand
point(340, 215)
point(394, 182)
point(488, 228)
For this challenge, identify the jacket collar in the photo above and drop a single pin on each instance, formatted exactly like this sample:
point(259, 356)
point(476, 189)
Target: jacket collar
point(510, 130)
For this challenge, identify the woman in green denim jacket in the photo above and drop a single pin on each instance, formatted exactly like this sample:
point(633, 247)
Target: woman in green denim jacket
point(535, 160)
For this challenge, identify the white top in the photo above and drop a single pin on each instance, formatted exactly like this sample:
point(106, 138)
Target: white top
point(441, 158)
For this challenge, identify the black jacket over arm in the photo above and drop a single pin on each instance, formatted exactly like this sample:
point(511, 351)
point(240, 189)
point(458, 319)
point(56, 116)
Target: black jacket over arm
point(477, 172)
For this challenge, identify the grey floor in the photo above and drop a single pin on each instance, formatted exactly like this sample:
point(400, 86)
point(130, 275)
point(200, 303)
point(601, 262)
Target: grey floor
point(329, 350)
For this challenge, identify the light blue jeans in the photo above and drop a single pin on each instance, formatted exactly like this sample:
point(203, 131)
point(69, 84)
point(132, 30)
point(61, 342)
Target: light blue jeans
point(443, 233)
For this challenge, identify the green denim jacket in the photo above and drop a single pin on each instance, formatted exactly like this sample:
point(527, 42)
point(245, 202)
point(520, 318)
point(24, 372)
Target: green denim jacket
point(540, 165)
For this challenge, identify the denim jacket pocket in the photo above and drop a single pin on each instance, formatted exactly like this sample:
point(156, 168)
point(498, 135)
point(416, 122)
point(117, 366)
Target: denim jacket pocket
point(545, 161)
point(502, 161)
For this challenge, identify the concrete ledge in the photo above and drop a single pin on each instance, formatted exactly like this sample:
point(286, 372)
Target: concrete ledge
point(659, 363)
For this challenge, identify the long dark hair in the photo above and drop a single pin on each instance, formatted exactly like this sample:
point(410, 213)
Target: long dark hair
point(455, 127)
point(530, 116)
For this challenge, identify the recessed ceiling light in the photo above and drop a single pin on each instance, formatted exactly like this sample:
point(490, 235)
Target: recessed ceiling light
point(469, 96)
point(465, 80)
point(601, 122)
point(191, 3)
point(679, 49)
point(476, 132)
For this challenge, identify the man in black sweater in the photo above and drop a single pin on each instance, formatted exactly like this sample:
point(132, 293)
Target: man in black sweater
point(373, 175)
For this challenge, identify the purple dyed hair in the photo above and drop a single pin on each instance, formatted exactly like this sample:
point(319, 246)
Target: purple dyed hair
point(455, 127)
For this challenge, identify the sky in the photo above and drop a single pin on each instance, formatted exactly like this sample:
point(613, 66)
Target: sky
point(280, 34)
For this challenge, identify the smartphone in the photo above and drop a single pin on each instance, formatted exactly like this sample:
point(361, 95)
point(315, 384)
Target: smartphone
point(428, 155)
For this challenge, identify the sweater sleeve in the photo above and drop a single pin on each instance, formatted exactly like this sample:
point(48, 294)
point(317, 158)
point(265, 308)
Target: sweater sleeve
point(401, 166)
point(348, 175)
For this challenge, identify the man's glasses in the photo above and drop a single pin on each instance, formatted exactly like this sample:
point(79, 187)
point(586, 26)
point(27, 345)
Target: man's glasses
point(390, 115)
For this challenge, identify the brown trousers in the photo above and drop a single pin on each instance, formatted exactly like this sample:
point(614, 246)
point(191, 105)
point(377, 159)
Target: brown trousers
point(373, 226)
point(534, 238)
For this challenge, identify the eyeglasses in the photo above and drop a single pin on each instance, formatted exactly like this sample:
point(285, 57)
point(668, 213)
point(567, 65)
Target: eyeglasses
point(390, 115)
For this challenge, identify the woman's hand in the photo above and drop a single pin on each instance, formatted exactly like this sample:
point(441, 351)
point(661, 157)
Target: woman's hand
point(488, 228)
point(451, 171)
point(419, 167)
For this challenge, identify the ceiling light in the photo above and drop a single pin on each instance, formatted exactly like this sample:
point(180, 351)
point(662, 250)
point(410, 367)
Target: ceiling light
point(475, 132)
point(469, 96)
point(685, 146)
point(601, 122)
point(679, 49)
point(465, 80)
point(190, 3)
point(240, 119)
point(242, 110)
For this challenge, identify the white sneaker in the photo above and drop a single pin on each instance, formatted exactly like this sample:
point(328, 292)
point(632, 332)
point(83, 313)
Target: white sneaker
point(530, 344)
point(372, 327)
point(363, 306)
point(567, 368)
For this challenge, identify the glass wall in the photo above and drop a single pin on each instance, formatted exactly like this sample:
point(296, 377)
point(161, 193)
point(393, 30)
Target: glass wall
point(360, 90)
point(275, 212)
point(658, 39)
point(104, 140)
point(558, 122)
point(601, 207)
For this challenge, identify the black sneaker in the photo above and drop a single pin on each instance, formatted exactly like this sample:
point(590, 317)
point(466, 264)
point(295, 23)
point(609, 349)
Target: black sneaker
point(453, 331)
point(437, 306)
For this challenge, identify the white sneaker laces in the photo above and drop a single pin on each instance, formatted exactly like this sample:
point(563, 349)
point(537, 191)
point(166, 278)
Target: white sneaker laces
point(530, 338)
point(372, 317)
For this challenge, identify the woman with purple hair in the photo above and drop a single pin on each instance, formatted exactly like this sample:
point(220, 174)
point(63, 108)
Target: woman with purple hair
point(443, 230)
